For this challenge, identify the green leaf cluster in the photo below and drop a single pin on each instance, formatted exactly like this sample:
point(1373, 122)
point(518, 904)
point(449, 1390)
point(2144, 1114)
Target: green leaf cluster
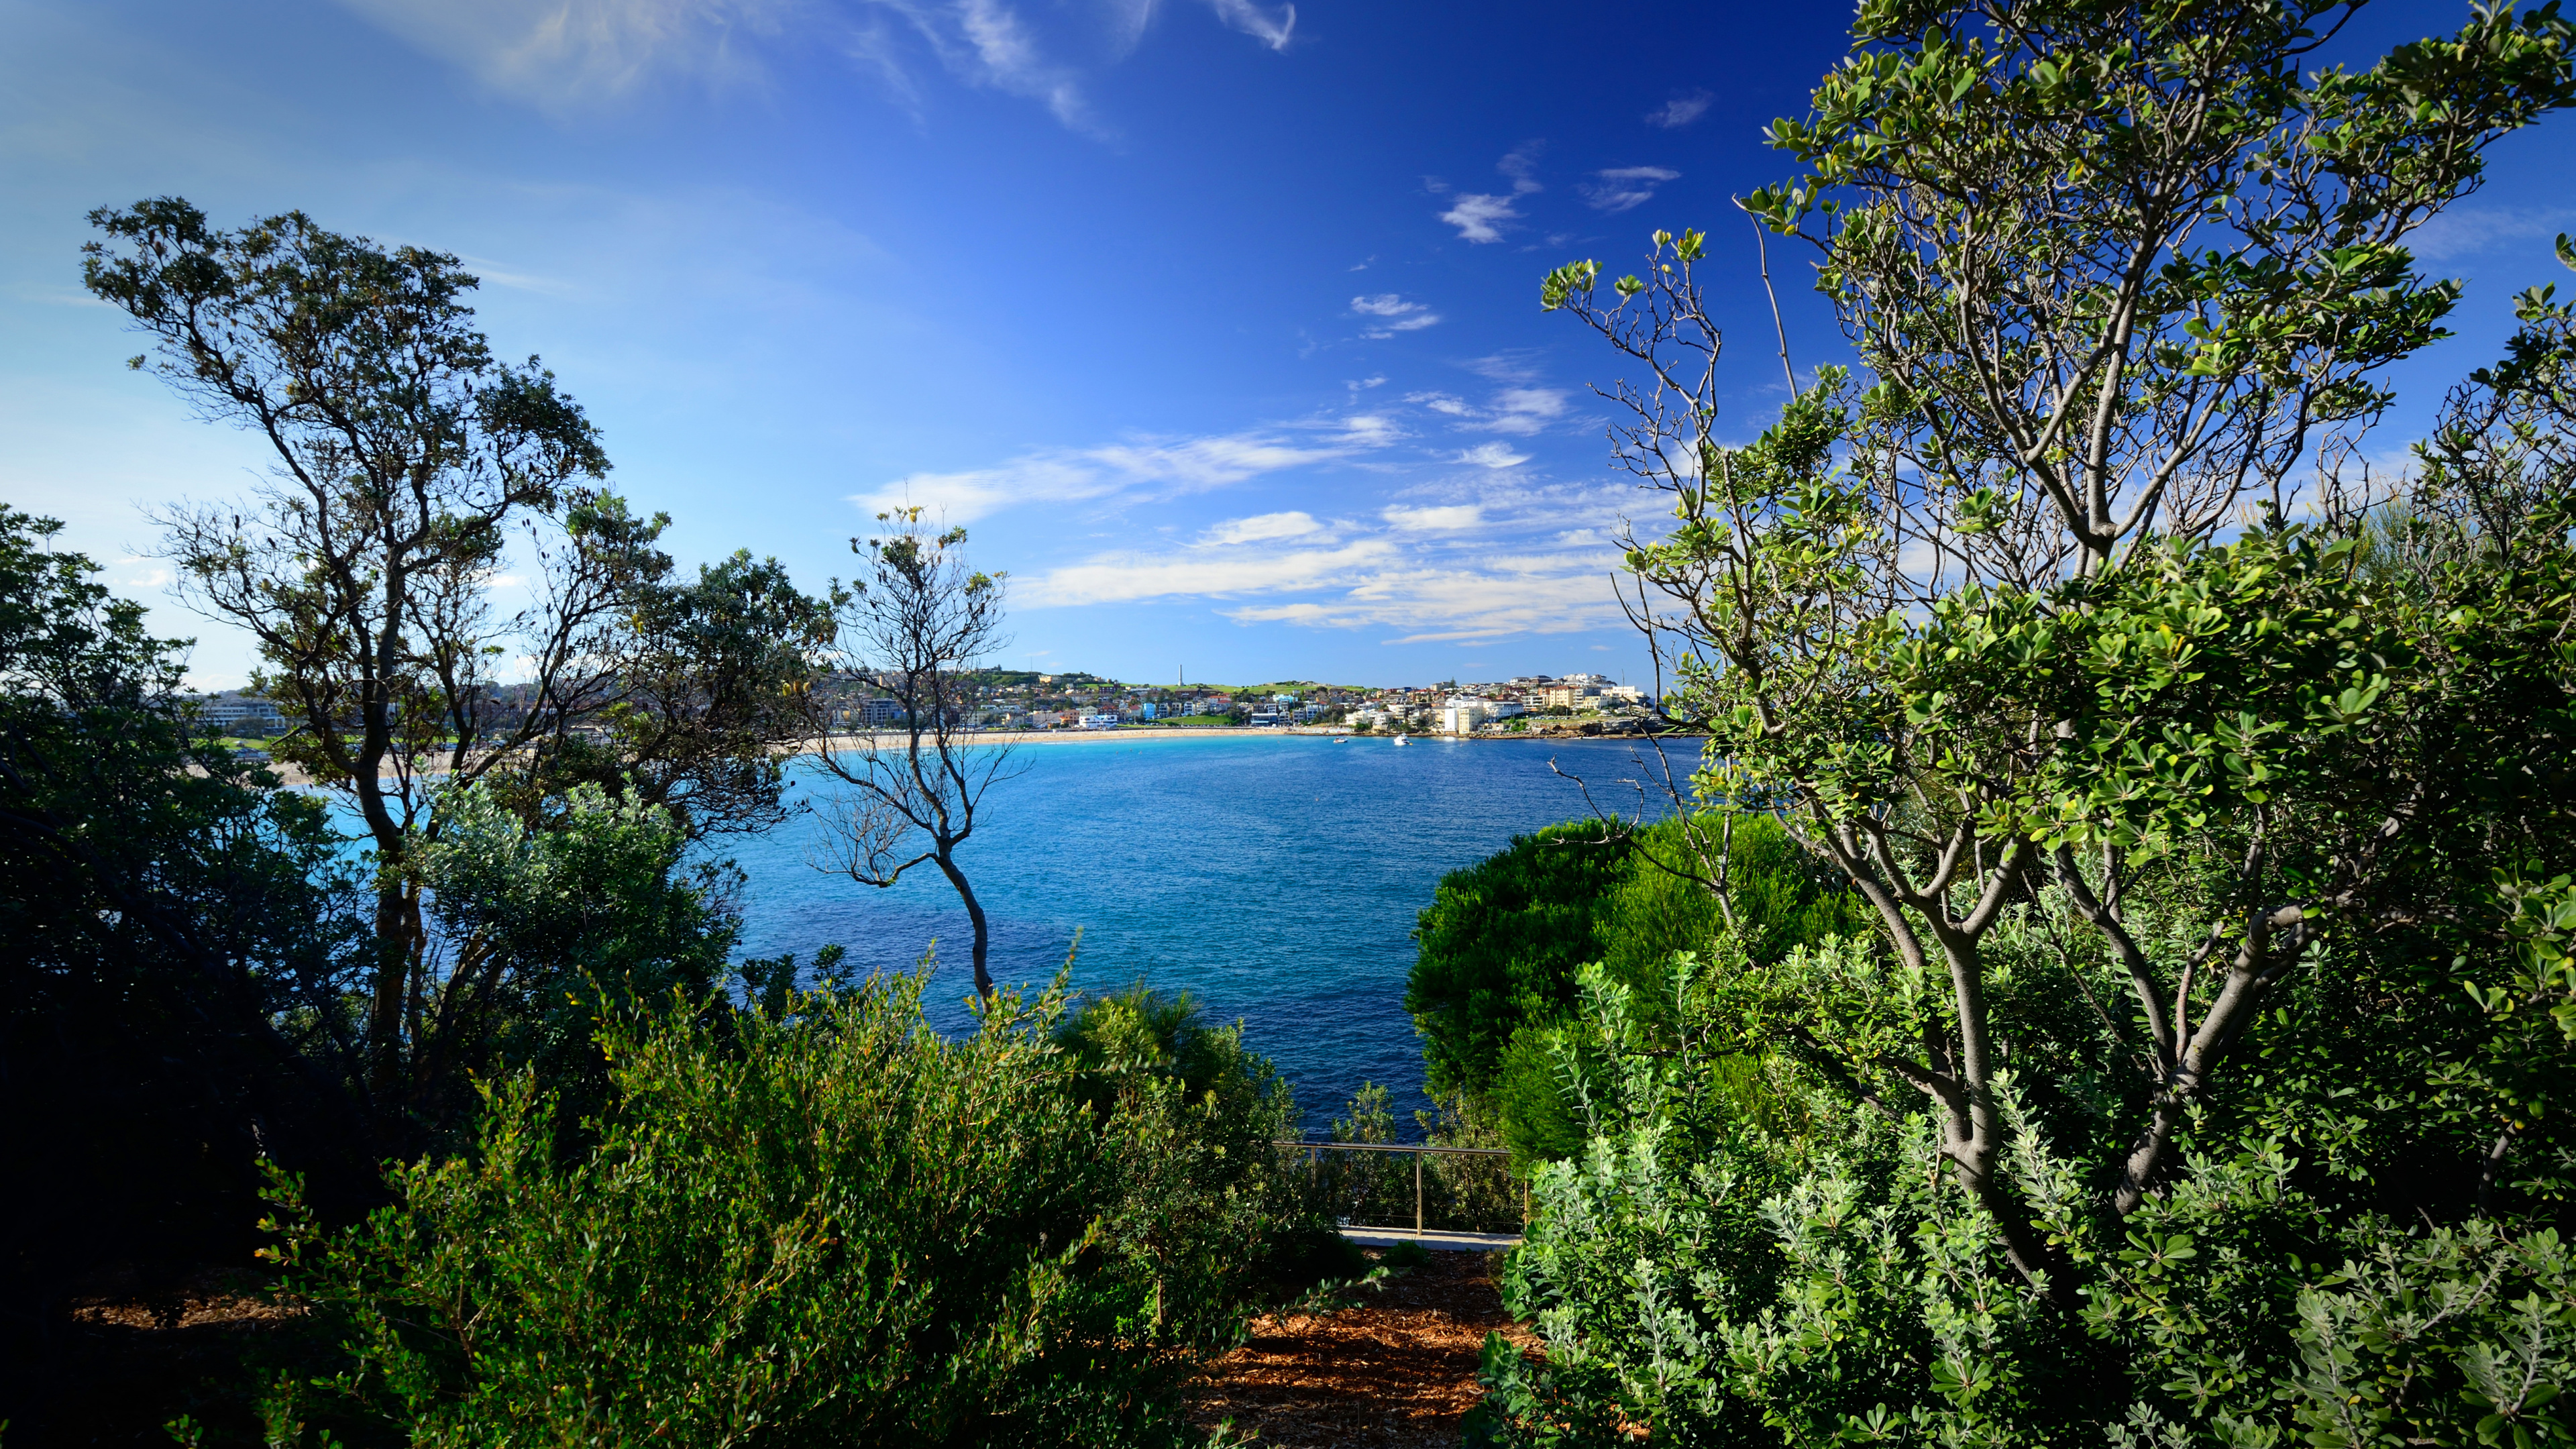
point(1502, 945)
point(835, 1227)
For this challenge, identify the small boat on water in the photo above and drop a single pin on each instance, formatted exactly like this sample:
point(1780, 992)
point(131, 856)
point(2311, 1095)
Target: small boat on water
point(1399, 739)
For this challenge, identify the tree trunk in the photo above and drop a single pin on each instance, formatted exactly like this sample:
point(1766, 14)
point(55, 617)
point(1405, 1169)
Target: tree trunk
point(385, 1012)
point(974, 914)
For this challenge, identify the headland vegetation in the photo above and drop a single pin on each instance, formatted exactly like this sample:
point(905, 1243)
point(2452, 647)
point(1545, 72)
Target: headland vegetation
point(2103, 971)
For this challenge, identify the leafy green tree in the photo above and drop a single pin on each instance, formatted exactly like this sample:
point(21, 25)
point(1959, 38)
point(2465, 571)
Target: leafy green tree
point(407, 457)
point(1701, 1274)
point(1503, 942)
point(547, 927)
point(713, 680)
point(1497, 948)
point(2109, 272)
point(2218, 858)
point(409, 463)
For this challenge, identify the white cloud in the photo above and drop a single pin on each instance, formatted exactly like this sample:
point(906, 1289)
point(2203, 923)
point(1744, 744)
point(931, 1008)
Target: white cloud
point(1261, 528)
point(562, 54)
point(1270, 28)
point(1522, 411)
point(1454, 561)
point(1440, 572)
point(1396, 314)
point(2471, 230)
point(1154, 466)
point(1679, 111)
point(1493, 455)
point(1454, 603)
point(1125, 578)
point(1481, 217)
point(1512, 366)
point(1434, 520)
point(1519, 164)
point(1625, 187)
point(574, 51)
point(1368, 430)
point(1518, 411)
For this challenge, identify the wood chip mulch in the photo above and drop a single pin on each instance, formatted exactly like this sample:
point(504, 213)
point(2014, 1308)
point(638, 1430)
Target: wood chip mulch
point(1397, 1370)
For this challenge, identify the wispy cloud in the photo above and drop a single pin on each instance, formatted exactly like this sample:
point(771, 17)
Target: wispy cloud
point(567, 54)
point(1493, 455)
point(1447, 519)
point(1008, 58)
point(1440, 571)
point(1463, 601)
point(1483, 216)
point(1393, 314)
point(1680, 110)
point(1263, 527)
point(1204, 573)
point(1518, 411)
point(1151, 467)
point(1625, 188)
point(1271, 27)
point(2472, 230)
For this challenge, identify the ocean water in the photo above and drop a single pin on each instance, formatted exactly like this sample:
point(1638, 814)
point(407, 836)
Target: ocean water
point(1277, 879)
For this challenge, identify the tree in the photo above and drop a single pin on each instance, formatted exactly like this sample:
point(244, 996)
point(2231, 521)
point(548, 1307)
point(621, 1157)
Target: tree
point(923, 622)
point(2367, 1244)
point(711, 683)
point(551, 927)
point(407, 456)
point(2110, 271)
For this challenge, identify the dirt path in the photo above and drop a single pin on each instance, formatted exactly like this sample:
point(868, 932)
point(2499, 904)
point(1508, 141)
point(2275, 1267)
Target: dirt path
point(1398, 1370)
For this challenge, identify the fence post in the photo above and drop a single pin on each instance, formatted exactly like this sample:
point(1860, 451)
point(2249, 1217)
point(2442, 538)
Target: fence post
point(1417, 1194)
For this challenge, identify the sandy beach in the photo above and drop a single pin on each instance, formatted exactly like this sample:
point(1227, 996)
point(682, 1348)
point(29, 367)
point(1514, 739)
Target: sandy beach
point(891, 740)
point(1090, 737)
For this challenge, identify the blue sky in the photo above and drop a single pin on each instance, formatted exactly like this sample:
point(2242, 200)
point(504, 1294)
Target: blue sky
point(1215, 320)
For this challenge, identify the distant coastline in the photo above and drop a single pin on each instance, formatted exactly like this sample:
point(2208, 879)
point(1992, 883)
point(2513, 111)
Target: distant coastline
point(892, 739)
point(295, 776)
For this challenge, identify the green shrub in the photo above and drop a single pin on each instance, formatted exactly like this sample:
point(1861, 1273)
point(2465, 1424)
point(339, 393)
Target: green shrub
point(834, 1229)
point(1494, 983)
point(593, 897)
point(1499, 943)
point(1698, 1272)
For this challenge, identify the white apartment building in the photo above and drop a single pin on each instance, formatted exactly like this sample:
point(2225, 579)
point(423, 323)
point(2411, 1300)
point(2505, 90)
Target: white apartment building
point(239, 712)
point(1463, 713)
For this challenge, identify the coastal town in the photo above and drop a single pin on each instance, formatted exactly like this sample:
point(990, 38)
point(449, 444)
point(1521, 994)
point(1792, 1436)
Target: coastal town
point(1023, 701)
point(1536, 703)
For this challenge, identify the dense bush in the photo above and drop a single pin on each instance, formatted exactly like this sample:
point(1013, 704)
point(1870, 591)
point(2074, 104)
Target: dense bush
point(175, 935)
point(837, 1228)
point(1701, 1271)
point(1502, 941)
point(545, 925)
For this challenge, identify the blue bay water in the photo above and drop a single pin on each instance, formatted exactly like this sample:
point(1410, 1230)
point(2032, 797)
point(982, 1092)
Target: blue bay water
point(1275, 878)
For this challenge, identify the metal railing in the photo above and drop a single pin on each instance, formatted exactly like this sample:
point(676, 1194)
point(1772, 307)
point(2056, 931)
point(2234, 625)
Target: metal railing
point(1470, 1198)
